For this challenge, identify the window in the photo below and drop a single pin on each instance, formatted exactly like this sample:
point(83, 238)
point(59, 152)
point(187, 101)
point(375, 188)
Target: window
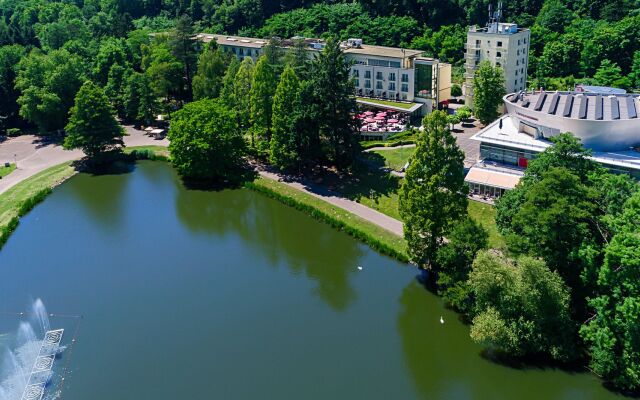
point(241, 51)
point(392, 76)
point(518, 42)
point(367, 74)
point(498, 64)
point(357, 82)
point(517, 62)
point(518, 52)
point(498, 54)
point(405, 77)
point(392, 86)
point(379, 85)
point(367, 84)
point(356, 73)
point(477, 43)
point(516, 82)
point(379, 75)
point(404, 88)
point(499, 44)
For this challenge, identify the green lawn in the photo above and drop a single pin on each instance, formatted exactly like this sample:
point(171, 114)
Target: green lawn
point(4, 171)
point(398, 104)
point(379, 190)
point(11, 200)
point(395, 242)
point(396, 158)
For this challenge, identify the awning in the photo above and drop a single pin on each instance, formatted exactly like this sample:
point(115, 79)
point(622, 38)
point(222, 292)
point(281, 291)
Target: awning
point(492, 178)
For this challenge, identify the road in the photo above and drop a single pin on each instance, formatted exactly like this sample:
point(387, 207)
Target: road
point(32, 155)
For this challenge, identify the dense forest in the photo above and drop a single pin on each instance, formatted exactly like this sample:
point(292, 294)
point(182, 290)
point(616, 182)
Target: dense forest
point(50, 47)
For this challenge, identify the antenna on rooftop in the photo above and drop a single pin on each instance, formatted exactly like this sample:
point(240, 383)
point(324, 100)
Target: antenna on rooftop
point(498, 16)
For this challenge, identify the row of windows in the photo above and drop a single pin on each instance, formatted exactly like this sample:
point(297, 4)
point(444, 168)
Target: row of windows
point(499, 43)
point(383, 63)
point(380, 75)
point(379, 85)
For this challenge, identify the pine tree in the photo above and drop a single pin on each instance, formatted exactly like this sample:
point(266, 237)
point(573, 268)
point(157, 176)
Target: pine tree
point(183, 48)
point(285, 142)
point(433, 196)
point(92, 126)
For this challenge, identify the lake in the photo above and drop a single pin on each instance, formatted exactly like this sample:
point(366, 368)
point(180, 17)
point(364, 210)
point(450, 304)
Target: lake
point(188, 294)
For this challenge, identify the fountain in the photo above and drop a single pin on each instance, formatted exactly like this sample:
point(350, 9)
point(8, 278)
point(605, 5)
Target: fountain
point(27, 365)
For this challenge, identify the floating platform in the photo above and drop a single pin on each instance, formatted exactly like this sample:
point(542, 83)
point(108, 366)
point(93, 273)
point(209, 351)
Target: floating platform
point(43, 365)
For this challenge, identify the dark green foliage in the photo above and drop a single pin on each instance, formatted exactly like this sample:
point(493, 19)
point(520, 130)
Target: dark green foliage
point(454, 260)
point(334, 101)
point(206, 143)
point(207, 83)
point(7, 230)
point(92, 125)
point(33, 201)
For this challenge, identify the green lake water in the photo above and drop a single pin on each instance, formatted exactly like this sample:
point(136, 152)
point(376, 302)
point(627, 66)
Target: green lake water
point(188, 294)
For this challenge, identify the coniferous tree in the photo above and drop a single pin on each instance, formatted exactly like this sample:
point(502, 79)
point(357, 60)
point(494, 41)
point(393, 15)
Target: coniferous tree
point(335, 101)
point(228, 83)
point(183, 48)
point(433, 196)
point(241, 93)
point(285, 142)
point(261, 95)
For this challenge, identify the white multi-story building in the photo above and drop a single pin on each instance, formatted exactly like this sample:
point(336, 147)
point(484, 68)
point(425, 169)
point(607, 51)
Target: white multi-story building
point(503, 45)
point(380, 73)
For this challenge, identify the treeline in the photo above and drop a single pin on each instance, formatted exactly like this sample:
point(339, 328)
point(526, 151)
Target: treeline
point(287, 108)
point(566, 288)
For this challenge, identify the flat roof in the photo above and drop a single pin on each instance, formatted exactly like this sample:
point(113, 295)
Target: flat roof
point(405, 107)
point(493, 177)
point(382, 51)
point(364, 49)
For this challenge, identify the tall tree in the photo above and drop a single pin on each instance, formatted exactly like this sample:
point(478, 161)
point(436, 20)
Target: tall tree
point(228, 82)
point(9, 58)
point(334, 96)
point(433, 195)
point(286, 141)
point(261, 95)
point(241, 93)
point(183, 48)
point(488, 91)
point(612, 332)
point(92, 125)
point(139, 101)
point(634, 76)
point(207, 83)
point(610, 74)
point(206, 143)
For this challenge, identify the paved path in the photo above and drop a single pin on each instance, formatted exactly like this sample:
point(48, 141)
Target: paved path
point(33, 155)
point(385, 148)
point(384, 221)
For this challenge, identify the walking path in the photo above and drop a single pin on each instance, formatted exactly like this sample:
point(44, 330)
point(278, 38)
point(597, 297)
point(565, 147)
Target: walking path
point(384, 221)
point(32, 154)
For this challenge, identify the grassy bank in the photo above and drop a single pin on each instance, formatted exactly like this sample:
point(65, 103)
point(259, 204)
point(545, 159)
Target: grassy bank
point(396, 158)
point(375, 236)
point(20, 199)
point(4, 171)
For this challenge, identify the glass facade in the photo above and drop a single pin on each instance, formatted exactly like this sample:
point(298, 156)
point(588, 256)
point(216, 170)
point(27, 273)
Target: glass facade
point(505, 155)
point(424, 81)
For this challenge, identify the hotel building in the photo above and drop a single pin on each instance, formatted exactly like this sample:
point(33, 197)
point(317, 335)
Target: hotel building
point(503, 45)
point(393, 75)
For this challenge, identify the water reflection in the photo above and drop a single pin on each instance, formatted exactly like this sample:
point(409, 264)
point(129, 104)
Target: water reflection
point(282, 236)
point(105, 202)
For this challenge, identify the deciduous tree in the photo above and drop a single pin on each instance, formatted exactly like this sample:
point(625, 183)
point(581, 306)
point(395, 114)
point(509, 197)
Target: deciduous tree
point(488, 91)
point(92, 125)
